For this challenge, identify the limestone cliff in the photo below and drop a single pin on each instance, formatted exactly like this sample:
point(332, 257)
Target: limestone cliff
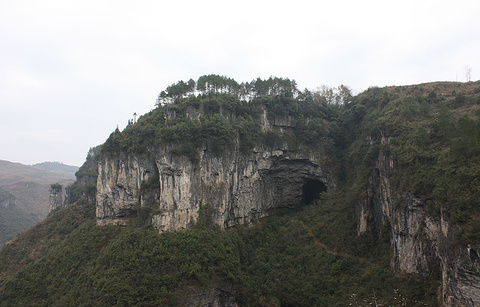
point(239, 188)
point(56, 197)
point(421, 241)
point(234, 186)
point(143, 177)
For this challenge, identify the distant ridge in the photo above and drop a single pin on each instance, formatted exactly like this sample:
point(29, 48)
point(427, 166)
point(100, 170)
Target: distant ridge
point(30, 186)
point(56, 167)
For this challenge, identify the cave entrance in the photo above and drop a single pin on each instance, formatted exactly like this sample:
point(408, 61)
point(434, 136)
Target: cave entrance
point(311, 190)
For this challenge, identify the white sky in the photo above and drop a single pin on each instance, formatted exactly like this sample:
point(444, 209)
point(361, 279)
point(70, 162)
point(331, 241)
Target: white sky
point(71, 71)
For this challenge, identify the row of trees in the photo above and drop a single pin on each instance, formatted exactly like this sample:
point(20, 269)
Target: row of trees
point(273, 86)
point(215, 84)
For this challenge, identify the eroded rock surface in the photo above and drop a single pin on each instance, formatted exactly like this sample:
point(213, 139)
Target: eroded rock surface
point(238, 188)
point(421, 241)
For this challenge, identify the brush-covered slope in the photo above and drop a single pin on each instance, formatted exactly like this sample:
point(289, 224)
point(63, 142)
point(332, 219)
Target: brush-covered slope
point(305, 258)
point(416, 162)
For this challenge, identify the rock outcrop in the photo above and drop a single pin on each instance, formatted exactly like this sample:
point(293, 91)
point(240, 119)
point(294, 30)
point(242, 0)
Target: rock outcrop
point(234, 187)
point(171, 192)
point(56, 197)
point(238, 188)
point(421, 240)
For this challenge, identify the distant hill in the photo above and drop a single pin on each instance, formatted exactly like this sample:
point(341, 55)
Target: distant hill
point(56, 167)
point(13, 219)
point(30, 188)
point(11, 172)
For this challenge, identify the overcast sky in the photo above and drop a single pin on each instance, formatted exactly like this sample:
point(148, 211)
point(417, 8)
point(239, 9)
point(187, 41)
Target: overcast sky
point(71, 71)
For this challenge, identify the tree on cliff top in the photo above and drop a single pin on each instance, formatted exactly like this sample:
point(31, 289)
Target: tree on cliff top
point(216, 84)
point(176, 90)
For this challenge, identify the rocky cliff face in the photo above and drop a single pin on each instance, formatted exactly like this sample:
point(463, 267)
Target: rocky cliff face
point(421, 241)
point(171, 192)
point(238, 188)
point(56, 197)
point(232, 188)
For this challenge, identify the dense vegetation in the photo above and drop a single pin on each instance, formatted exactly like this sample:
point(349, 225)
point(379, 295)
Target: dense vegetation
point(434, 140)
point(308, 257)
point(281, 260)
point(85, 187)
point(219, 114)
point(434, 131)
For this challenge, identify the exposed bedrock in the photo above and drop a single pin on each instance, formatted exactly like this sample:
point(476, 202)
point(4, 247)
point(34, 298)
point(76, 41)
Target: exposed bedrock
point(422, 243)
point(237, 188)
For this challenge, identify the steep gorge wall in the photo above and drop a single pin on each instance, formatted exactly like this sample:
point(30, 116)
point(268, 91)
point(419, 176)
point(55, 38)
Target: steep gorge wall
point(421, 242)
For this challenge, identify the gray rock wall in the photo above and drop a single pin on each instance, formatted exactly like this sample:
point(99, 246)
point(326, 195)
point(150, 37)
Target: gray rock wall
point(238, 188)
point(421, 243)
point(56, 198)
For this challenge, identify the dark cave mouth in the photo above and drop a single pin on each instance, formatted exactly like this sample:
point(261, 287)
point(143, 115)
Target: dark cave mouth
point(311, 190)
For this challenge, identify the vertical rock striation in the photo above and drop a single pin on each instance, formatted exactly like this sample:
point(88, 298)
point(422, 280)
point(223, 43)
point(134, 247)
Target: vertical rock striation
point(421, 241)
point(119, 185)
point(56, 197)
point(238, 188)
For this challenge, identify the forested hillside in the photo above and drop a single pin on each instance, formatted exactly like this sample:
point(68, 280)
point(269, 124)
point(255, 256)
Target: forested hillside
point(304, 258)
point(384, 147)
point(434, 140)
